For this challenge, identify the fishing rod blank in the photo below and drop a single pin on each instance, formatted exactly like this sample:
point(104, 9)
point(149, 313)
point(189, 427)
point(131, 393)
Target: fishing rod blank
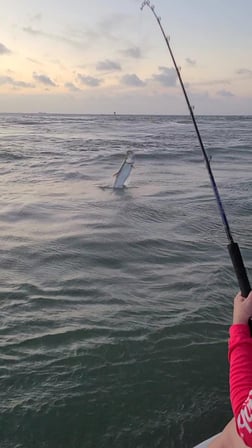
point(233, 248)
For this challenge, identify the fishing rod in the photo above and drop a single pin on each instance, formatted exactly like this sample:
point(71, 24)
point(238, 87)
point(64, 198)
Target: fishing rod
point(233, 247)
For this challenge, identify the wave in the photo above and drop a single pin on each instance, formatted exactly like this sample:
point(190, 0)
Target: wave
point(107, 299)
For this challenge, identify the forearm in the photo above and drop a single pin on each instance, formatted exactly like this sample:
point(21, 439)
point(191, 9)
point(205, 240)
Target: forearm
point(240, 358)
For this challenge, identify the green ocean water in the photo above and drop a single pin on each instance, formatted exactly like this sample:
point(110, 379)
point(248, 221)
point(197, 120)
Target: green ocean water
point(115, 305)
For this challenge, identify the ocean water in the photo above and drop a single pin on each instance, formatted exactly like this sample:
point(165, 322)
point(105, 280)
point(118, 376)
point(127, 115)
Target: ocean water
point(115, 305)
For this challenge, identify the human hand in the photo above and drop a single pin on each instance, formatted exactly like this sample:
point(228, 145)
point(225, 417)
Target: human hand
point(242, 309)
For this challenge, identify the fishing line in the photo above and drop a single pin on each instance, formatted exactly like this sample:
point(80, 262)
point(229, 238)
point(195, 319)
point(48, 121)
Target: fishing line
point(233, 247)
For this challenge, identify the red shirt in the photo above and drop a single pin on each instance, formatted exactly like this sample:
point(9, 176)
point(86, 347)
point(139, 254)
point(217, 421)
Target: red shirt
point(240, 379)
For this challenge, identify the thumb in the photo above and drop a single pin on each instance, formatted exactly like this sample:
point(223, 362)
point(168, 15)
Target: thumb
point(249, 298)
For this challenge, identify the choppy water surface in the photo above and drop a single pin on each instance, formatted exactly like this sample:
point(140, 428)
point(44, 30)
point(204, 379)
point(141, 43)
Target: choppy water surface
point(115, 306)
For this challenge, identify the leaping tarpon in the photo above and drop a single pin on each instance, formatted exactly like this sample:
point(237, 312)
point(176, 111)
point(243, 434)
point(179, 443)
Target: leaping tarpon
point(124, 171)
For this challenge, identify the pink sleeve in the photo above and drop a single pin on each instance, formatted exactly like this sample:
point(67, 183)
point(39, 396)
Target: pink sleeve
point(240, 379)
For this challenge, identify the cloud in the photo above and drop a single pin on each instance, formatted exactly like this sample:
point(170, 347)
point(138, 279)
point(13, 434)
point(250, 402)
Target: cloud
point(191, 62)
point(70, 86)
point(13, 82)
point(50, 36)
point(110, 30)
point(112, 24)
point(30, 30)
point(108, 65)
point(213, 82)
point(89, 80)
point(133, 52)
point(4, 49)
point(167, 77)
point(245, 72)
point(34, 61)
point(225, 93)
point(36, 17)
point(132, 80)
point(44, 79)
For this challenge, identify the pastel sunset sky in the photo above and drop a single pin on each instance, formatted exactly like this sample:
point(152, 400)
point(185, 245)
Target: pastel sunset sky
point(101, 56)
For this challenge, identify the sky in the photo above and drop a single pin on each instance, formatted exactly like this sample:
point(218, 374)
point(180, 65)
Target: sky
point(106, 56)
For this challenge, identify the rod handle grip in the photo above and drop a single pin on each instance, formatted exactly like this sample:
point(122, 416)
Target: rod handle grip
point(239, 268)
point(241, 274)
